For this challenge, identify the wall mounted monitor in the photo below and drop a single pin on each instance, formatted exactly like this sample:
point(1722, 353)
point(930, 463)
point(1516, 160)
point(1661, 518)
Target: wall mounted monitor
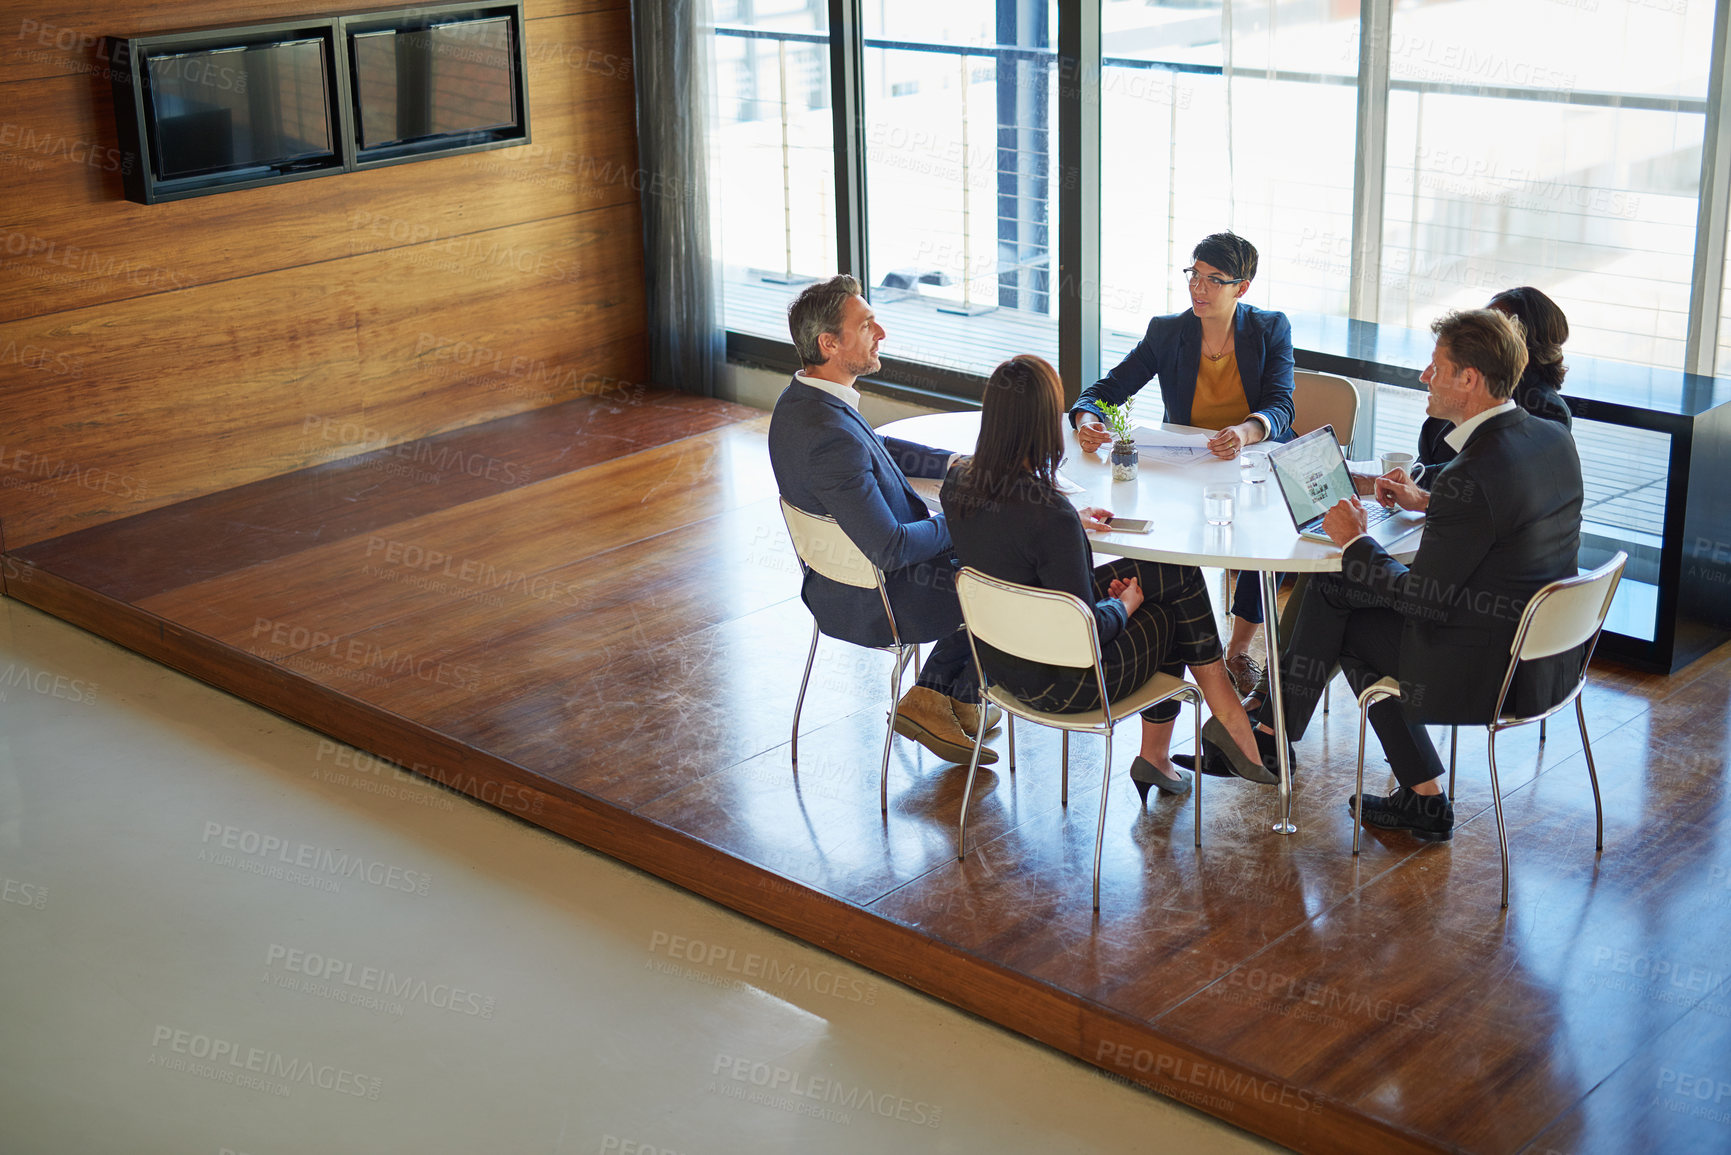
point(439, 80)
point(204, 112)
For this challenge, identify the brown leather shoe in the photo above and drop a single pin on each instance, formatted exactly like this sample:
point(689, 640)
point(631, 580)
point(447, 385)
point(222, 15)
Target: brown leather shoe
point(925, 715)
point(1244, 671)
point(968, 714)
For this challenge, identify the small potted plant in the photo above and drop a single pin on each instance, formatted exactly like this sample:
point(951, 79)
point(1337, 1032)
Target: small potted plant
point(1124, 454)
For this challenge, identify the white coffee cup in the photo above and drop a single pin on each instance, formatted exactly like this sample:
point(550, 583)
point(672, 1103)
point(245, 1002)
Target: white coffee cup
point(1394, 460)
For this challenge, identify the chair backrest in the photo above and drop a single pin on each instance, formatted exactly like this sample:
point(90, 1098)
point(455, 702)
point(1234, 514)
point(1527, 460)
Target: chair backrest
point(1320, 399)
point(821, 545)
point(1566, 613)
point(1034, 624)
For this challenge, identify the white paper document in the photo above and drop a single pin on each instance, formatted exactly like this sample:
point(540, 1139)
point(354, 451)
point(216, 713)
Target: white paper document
point(1171, 447)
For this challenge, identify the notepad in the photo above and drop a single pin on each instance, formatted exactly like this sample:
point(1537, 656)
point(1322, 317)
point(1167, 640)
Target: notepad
point(1169, 446)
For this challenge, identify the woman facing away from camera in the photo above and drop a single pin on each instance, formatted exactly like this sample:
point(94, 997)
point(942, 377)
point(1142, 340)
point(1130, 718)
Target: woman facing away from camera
point(1223, 365)
point(1008, 519)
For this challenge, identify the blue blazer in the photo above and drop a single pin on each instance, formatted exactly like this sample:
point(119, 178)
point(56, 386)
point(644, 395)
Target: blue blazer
point(1172, 349)
point(827, 460)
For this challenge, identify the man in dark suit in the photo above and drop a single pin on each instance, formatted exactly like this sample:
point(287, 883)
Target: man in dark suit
point(827, 460)
point(1502, 519)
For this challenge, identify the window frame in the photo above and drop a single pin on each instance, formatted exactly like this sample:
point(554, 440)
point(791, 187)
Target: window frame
point(1079, 66)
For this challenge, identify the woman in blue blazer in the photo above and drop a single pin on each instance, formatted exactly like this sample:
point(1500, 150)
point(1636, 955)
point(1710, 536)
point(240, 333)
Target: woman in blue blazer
point(1222, 365)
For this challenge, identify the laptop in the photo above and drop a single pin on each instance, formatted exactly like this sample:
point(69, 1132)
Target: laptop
point(1313, 478)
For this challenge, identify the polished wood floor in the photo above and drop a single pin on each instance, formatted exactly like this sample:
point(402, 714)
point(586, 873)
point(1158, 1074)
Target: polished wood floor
point(588, 617)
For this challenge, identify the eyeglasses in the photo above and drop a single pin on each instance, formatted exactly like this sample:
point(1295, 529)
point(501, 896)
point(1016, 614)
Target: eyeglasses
point(1195, 278)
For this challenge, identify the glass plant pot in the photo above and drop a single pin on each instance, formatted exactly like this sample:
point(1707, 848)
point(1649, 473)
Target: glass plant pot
point(1124, 460)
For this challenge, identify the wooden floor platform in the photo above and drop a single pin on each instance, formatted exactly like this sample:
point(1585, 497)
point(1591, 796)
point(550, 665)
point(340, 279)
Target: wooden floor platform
point(588, 617)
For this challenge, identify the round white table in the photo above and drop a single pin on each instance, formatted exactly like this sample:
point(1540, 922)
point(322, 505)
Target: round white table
point(1261, 536)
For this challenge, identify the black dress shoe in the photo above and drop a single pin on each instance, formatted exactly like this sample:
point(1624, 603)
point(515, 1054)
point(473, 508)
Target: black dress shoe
point(1427, 817)
point(1270, 754)
point(1213, 767)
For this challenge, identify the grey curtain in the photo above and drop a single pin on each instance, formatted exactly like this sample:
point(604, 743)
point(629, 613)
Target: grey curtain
point(671, 42)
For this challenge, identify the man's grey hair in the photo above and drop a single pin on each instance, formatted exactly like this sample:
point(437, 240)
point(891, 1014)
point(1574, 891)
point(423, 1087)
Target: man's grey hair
point(816, 311)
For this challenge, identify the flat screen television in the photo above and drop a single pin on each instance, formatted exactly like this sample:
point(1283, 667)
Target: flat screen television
point(217, 109)
point(204, 112)
point(445, 79)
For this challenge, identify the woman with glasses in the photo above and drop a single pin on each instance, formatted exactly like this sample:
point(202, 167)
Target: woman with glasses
point(1222, 365)
point(1007, 519)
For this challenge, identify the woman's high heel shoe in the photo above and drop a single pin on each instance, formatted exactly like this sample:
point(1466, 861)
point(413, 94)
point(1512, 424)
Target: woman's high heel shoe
point(1221, 744)
point(1145, 774)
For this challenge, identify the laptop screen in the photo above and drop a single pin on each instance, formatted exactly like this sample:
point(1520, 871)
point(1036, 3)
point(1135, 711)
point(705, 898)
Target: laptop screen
point(1312, 474)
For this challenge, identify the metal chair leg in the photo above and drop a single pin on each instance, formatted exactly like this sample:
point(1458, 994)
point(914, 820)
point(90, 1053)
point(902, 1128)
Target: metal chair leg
point(1010, 729)
point(968, 790)
point(1100, 827)
point(1364, 705)
point(1358, 790)
point(890, 731)
point(1064, 796)
point(1593, 774)
point(1454, 742)
point(1502, 831)
point(1327, 687)
point(811, 656)
point(1542, 722)
point(1196, 777)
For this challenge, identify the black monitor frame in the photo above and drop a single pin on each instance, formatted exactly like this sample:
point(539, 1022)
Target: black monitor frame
point(447, 144)
point(139, 145)
point(126, 57)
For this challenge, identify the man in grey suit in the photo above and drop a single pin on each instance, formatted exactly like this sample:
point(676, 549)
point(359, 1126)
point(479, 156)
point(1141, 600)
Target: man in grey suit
point(827, 460)
point(1501, 520)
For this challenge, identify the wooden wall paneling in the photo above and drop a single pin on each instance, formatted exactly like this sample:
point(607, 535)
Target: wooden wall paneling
point(182, 394)
point(39, 40)
point(416, 298)
point(69, 238)
point(510, 313)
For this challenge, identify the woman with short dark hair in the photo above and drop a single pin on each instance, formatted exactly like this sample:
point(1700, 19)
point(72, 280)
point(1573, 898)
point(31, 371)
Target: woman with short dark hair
point(1008, 519)
point(1222, 365)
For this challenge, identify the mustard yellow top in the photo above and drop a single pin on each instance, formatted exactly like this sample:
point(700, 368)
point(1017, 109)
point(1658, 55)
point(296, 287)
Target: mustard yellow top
point(1220, 399)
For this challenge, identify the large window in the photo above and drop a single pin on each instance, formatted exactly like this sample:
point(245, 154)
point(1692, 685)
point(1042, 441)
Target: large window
point(1556, 143)
point(1197, 139)
point(960, 119)
point(1552, 145)
point(773, 152)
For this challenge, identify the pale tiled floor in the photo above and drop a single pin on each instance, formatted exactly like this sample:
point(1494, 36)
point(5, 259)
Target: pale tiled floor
point(223, 933)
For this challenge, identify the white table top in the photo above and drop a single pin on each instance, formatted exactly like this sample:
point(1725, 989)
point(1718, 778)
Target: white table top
point(1261, 536)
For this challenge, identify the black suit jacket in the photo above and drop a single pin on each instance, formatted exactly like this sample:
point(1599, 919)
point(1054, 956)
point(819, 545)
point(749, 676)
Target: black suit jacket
point(1530, 394)
point(1504, 520)
point(827, 460)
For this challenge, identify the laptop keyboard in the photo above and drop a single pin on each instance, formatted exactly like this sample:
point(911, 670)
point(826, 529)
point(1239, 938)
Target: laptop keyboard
point(1374, 515)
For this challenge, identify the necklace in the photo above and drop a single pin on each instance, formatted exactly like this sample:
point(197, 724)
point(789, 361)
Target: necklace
point(1225, 345)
